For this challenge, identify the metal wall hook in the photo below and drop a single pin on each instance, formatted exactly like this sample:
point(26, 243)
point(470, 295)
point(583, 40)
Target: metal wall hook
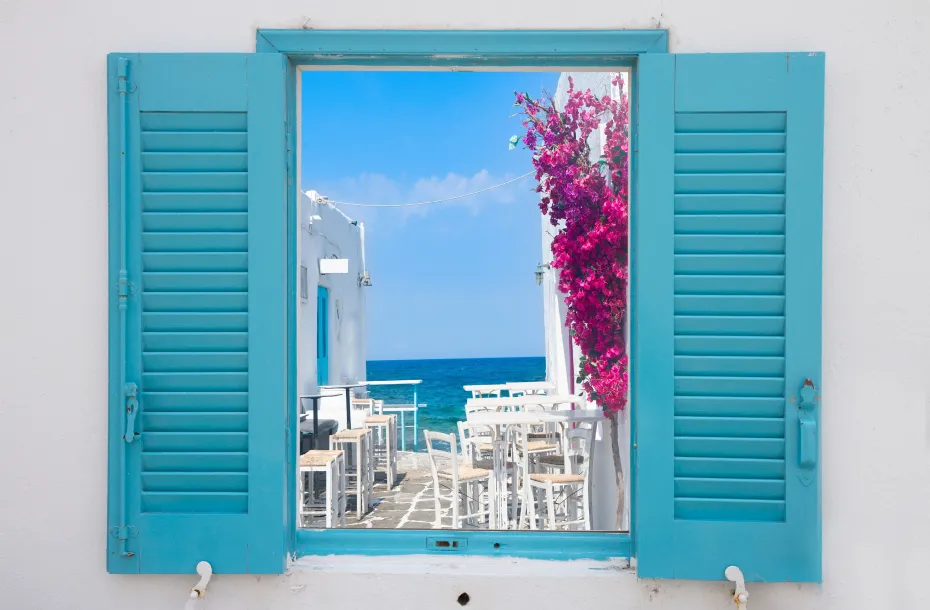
point(740, 594)
point(205, 570)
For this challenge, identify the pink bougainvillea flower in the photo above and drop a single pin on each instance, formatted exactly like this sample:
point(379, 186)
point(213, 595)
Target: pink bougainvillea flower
point(587, 199)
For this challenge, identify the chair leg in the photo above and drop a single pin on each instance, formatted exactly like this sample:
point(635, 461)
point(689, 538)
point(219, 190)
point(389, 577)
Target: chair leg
point(342, 490)
point(586, 507)
point(361, 479)
point(330, 496)
point(300, 498)
point(436, 504)
point(534, 518)
point(456, 494)
point(492, 501)
point(550, 506)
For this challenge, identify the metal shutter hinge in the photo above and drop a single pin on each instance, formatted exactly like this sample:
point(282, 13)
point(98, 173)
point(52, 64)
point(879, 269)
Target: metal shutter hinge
point(124, 533)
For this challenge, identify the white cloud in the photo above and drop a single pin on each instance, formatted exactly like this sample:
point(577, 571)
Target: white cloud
point(378, 189)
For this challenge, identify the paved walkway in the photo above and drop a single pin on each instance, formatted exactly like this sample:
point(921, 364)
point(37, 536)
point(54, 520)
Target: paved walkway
point(409, 505)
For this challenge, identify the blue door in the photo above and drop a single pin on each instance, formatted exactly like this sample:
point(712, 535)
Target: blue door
point(322, 335)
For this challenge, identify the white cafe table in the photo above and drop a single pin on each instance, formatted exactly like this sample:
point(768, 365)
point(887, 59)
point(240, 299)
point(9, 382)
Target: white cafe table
point(534, 387)
point(544, 400)
point(497, 421)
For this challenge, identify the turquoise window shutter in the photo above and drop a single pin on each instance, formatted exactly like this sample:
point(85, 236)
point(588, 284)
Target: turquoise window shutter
point(322, 335)
point(727, 351)
point(197, 274)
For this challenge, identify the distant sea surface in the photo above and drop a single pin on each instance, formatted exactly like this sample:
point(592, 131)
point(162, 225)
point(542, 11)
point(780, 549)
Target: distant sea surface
point(441, 389)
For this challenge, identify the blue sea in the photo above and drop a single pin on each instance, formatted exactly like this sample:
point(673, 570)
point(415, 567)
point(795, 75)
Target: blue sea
point(441, 389)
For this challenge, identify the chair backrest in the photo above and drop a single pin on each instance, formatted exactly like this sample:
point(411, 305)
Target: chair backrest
point(579, 443)
point(469, 436)
point(471, 407)
point(364, 403)
point(440, 458)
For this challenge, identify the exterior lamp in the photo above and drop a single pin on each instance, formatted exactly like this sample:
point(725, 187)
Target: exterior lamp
point(540, 271)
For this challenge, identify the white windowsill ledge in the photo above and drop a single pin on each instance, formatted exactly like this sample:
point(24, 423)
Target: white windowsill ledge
point(461, 565)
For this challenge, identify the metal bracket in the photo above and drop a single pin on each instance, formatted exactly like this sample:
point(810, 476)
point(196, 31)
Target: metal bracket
point(124, 533)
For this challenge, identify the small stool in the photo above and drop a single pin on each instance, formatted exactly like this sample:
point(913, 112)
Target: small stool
point(384, 441)
point(358, 446)
point(333, 504)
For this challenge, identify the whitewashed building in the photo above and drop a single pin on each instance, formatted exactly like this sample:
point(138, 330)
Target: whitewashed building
point(331, 315)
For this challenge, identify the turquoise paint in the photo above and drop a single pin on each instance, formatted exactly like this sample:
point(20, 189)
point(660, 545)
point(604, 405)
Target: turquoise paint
point(416, 418)
point(653, 276)
point(448, 48)
point(729, 270)
point(559, 48)
point(531, 545)
point(293, 224)
point(204, 480)
point(463, 48)
point(322, 335)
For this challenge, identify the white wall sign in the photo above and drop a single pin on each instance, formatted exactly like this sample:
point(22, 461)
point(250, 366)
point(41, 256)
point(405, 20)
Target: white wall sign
point(334, 265)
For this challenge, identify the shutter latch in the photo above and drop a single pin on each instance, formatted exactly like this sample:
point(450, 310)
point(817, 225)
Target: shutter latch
point(130, 390)
point(807, 434)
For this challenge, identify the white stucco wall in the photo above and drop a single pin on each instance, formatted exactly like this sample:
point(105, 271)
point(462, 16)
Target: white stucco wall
point(53, 378)
point(333, 234)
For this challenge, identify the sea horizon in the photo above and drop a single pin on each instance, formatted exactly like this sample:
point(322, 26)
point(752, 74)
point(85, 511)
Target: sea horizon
point(453, 358)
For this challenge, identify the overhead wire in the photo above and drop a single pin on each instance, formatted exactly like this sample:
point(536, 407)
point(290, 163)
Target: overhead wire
point(444, 200)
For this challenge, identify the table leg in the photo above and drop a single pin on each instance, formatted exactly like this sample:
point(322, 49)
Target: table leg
point(316, 423)
point(403, 433)
point(500, 480)
point(416, 407)
point(348, 409)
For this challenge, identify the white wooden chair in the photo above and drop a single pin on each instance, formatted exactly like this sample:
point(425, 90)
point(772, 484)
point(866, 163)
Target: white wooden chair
point(526, 452)
point(559, 462)
point(331, 504)
point(478, 451)
point(568, 493)
point(360, 462)
point(462, 481)
point(384, 445)
point(475, 444)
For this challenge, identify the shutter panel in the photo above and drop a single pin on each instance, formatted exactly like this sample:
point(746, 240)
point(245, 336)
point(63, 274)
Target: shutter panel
point(727, 274)
point(197, 213)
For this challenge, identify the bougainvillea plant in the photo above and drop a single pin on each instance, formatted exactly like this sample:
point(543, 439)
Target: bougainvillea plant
point(586, 196)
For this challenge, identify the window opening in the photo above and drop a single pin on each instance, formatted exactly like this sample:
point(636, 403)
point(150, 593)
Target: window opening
point(447, 394)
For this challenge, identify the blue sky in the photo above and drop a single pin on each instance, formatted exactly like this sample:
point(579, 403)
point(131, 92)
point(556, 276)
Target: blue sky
point(453, 280)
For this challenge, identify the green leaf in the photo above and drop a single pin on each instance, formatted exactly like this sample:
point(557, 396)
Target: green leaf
point(513, 142)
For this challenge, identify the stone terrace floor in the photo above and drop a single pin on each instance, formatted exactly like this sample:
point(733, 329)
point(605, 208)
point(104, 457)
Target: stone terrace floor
point(408, 505)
